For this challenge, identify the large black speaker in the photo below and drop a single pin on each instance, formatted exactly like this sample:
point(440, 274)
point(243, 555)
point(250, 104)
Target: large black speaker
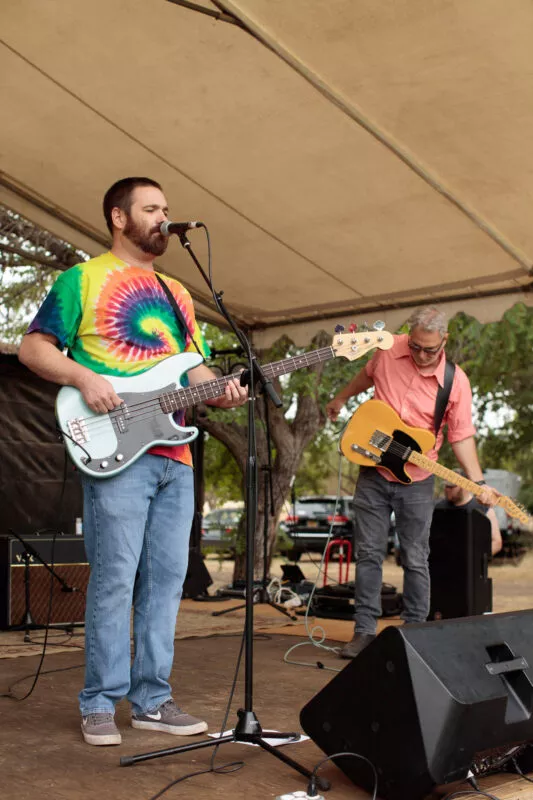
point(460, 547)
point(424, 702)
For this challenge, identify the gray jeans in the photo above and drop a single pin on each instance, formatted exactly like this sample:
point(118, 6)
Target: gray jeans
point(375, 499)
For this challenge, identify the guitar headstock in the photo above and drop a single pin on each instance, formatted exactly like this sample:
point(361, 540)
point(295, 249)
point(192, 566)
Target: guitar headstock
point(515, 510)
point(352, 345)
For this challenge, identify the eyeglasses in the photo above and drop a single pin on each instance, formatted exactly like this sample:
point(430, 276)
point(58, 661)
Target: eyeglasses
point(416, 348)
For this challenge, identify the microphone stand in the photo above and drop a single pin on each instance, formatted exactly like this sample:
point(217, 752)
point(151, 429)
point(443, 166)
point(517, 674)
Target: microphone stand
point(248, 728)
point(261, 595)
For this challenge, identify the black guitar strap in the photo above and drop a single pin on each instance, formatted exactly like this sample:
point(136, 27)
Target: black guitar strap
point(443, 395)
point(177, 311)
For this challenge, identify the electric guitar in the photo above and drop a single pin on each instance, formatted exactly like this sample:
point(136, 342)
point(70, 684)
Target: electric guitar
point(102, 445)
point(376, 436)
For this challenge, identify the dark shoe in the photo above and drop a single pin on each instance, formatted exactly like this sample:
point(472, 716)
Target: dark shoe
point(358, 643)
point(169, 719)
point(100, 729)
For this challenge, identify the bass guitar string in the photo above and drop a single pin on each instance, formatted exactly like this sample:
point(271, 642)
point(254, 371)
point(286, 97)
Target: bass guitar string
point(183, 399)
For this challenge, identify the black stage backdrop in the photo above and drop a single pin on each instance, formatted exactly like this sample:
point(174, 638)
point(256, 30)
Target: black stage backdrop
point(32, 458)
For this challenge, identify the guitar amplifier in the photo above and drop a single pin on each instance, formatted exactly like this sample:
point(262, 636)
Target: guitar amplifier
point(68, 598)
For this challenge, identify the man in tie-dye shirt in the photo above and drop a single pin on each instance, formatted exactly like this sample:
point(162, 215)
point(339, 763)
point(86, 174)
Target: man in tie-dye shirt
point(114, 318)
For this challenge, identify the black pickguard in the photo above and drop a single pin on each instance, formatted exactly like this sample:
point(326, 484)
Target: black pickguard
point(395, 461)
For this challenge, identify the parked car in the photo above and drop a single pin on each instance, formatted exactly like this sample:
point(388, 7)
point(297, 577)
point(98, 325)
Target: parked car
point(219, 528)
point(309, 523)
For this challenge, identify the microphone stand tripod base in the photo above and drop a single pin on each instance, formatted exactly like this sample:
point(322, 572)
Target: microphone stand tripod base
point(248, 730)
point(261, 597)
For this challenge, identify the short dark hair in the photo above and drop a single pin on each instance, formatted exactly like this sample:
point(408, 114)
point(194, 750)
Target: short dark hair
point(119, 196)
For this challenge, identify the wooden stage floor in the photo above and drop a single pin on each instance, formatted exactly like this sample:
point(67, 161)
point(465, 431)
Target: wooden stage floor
point(43, 757)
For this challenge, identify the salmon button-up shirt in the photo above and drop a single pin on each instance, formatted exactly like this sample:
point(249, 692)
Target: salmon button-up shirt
point(412, 394)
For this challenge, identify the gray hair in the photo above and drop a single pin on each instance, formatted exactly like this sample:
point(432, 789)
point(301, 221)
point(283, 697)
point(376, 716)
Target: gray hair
point(429, 319)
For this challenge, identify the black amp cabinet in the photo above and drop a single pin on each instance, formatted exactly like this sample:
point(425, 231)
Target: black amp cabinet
point(17, 578)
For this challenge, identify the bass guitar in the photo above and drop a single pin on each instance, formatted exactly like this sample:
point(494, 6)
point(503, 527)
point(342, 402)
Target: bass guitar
point(376, 437)
point(102, 445)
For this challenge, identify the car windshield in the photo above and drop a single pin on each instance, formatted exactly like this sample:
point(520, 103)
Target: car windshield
point(318, 508)
point(226, 517)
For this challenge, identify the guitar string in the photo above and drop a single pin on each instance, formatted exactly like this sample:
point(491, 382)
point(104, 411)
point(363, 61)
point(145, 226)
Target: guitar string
point(398, 449)
point(192, 395)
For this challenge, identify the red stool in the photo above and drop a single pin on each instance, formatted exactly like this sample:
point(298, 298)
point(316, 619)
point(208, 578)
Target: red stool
point(341, 544)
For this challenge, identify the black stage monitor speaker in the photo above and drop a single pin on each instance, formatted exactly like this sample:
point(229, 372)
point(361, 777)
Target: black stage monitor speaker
point(425, 702)
point(460, 547)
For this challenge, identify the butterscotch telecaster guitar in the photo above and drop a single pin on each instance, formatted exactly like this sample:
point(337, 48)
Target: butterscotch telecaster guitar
point(102, 445)
point(376, 437)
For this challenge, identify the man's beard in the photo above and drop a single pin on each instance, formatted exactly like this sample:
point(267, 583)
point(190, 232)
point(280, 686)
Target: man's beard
point(153, 243)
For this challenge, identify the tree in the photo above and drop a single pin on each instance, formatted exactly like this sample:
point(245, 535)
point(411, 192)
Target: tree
point(497, 359)
point(30, 259)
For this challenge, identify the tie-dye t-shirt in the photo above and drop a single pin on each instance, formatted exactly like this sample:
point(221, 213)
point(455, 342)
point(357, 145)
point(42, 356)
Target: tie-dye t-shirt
point(115, 319)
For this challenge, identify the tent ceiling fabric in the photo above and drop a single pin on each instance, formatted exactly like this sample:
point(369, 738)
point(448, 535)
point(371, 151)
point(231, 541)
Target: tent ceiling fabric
point(372, 157)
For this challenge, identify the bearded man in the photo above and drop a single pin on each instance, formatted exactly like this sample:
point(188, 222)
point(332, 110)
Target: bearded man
point(112, 316)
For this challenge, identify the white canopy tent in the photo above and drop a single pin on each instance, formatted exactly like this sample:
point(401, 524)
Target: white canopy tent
point(351, 159)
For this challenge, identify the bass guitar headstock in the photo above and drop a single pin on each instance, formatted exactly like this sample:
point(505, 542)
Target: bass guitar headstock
point(352, 344)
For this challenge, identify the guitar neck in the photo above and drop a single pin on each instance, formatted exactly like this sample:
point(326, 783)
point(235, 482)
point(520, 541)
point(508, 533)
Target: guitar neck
point(459, 480)
point(200, 392)
point(443, 472)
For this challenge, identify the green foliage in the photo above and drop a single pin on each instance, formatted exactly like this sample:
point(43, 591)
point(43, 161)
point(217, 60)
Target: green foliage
point(497, 358)
point(222, 476)
point(30, 259)
point(22, 290)
point(316, 465)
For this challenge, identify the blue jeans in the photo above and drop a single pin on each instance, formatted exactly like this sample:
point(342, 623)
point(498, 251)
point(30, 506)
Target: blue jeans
point(375, 498)
point(136, 528)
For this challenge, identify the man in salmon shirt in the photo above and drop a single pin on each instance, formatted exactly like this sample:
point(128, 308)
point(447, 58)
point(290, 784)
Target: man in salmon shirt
point(407, 378)
point(113, 317)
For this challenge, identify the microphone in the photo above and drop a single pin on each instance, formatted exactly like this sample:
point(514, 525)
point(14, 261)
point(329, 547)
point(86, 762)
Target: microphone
point(167, 227)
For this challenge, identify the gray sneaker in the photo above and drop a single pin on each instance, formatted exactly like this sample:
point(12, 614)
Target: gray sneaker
point(169, 719)
point(100, 729)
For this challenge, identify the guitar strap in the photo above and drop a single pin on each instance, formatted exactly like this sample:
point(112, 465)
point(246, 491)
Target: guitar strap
point(177, 311)
point(443, 395)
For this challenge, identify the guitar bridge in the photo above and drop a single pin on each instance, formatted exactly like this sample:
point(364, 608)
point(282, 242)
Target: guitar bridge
point(366, 453)
point(78, 430)
point(381, 440)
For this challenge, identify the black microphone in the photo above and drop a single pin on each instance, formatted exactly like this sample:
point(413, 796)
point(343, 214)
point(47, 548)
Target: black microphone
point(167, 227)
